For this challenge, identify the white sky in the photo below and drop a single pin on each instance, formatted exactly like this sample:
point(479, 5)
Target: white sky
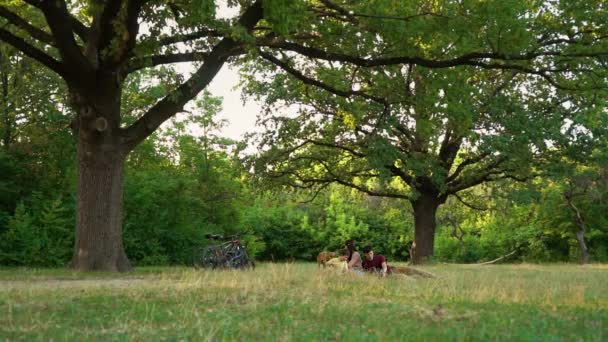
point(241, 116)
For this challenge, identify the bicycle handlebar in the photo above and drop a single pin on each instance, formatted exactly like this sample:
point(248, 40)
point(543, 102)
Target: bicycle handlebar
point(214, 236)
point(221, 237)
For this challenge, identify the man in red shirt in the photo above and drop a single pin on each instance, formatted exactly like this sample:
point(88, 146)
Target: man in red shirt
point(375, 263)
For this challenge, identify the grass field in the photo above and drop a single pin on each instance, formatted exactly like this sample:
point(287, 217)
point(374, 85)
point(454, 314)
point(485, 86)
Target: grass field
point(298, 302)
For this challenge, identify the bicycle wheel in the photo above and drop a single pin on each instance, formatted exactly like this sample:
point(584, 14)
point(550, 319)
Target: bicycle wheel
point(232, 253)
point(247, 262)
point(242, 260)
point(208, 257)
point(197, 257)
point(237, 260)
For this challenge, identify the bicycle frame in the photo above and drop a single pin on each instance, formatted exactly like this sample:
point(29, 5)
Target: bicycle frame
point(228, 254)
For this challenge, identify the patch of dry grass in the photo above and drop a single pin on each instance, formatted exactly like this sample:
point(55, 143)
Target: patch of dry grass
point(301, 302)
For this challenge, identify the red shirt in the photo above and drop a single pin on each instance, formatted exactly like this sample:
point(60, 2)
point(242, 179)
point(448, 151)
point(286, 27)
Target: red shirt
point(375, 264)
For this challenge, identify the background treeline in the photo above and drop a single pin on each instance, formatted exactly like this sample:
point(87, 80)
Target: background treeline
point(180, 185)
point(186, 181)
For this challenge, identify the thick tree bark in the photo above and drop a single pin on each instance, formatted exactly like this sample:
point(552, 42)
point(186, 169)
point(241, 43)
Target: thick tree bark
point(98, 244)
point(425, 210)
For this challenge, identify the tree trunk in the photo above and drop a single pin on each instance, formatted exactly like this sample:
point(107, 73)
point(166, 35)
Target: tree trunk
point(580, 237)
point(425, 209)
point(580, 233)
point(6, 119)
point(98, 244)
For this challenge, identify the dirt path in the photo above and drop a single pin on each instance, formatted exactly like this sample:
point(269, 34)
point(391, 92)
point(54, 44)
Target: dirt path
point(73, 283)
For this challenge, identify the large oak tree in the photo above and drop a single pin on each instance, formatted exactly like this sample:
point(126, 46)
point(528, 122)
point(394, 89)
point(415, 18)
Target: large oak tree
point(94, 46)
point(428, 103)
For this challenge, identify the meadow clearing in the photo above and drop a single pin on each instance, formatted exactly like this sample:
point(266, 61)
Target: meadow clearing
point(298, 302)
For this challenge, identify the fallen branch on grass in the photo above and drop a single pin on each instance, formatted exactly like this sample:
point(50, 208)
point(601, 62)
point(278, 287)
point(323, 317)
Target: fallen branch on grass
point(498, 259)
point(487, 262)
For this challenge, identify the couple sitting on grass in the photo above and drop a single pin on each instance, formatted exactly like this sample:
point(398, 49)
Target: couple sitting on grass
point(375, 263)
point(369, 263)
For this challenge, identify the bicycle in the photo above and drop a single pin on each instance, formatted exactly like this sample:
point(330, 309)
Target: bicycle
point(228, 254)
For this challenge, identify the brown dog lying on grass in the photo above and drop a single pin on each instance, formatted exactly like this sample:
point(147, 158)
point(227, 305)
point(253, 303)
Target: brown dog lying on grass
point(339, 263)
point(324, 257)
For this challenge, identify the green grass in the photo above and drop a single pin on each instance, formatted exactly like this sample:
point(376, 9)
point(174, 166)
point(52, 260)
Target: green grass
point(298, 302)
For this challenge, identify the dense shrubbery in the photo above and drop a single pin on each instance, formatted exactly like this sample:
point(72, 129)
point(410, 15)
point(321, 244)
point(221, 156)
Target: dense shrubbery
point(40, 234)
point(169, 207)
point(539, 227)
point(174, 195)
point(291, 229)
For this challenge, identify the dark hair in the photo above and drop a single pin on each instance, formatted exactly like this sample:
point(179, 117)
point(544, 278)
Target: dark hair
point(350, 249)
point(367, 249)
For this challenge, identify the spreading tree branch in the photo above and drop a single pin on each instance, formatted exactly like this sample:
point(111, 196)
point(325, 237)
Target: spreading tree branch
point(333, 177)
point(316, 193)
point(477, 59)
point(465, 163)
point(115, 40)
point(133, 10)
point(183, 38)
point(465, 59)
point(352, 16)
point(449, 149)
point(79, 28)
point(484, 175)
point(491, 174)
point(409, 180)
point(60, 23)
point(26, 26)
point(155, 60)
point(337, 146)
point(106, 23)
point(311, 81)
point(467, 204)
point(33, 52)
point(175, 100)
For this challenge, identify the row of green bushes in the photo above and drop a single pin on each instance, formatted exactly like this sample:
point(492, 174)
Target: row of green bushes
point(169, 207)
point(160, 228)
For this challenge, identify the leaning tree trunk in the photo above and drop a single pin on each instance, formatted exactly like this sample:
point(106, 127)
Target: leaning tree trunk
point(580, 237)
point(6, 119)
point(98, 244)
point(580, 233)
point(425, 210)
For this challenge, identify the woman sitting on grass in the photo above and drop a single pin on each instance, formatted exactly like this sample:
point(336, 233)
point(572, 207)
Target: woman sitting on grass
point(353, 258)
